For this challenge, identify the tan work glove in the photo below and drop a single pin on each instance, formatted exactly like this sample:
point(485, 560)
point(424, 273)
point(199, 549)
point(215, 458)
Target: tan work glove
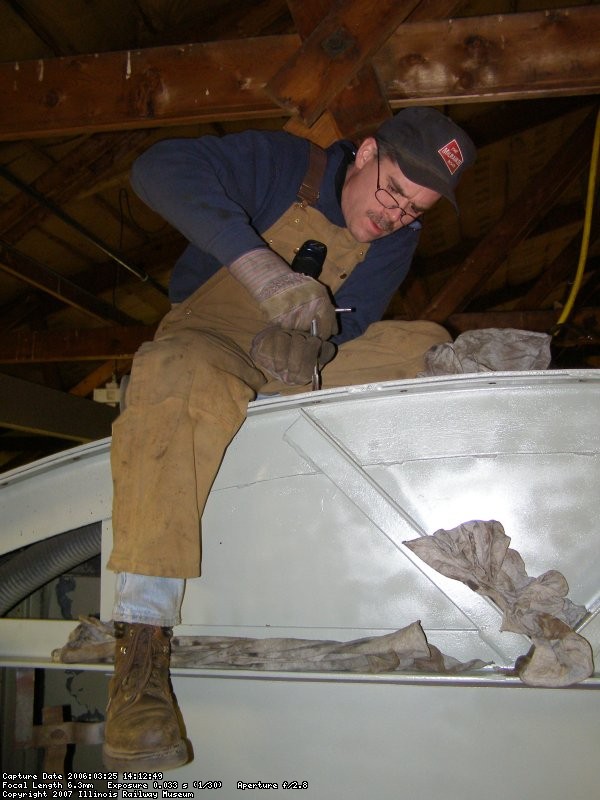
point(290, 355)
point(287, 298)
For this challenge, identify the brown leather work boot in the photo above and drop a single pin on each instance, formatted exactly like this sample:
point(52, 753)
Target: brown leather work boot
point(142, 727)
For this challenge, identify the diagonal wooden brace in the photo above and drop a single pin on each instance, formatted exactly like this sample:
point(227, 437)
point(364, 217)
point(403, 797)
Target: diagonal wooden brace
point(361, 105)
point(336, 50)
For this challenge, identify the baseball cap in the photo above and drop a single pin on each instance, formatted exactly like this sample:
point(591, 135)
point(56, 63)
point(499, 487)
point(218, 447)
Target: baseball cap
point(430, 148)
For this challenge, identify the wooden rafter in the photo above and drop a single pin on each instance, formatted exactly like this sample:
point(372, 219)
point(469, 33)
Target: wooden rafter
point(333, 54)
point(357, 109)
point(353, 105)
point(525, 212)
point(561, 269)
point(84, 165)
point(26, 406)
point(93, 344)
point(89, 162)
point(100, 376)
point(582, 329)
point(495, 57)
point(473, 58)
point(92, 159)
point(38, 275)
point(117, 345)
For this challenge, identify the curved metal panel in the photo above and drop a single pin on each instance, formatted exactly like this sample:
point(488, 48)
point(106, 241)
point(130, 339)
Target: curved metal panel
point(309, 536)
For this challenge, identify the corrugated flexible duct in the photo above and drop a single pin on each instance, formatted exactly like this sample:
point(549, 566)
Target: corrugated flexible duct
point(41, 562)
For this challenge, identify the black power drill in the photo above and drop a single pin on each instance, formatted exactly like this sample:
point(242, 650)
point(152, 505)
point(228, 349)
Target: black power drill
point(309, 261)
point(310, 258)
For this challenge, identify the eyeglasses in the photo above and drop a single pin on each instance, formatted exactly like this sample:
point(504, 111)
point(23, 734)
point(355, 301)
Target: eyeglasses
point(388, 200)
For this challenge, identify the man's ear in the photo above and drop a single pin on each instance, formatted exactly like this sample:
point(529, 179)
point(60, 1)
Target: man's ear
point(366, 151)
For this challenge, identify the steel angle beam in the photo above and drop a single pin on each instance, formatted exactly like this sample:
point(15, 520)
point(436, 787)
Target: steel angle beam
point(313, 442)
point(589, 626)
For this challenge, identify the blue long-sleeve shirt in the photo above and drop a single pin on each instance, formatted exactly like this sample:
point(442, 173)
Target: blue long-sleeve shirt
point(221, 193)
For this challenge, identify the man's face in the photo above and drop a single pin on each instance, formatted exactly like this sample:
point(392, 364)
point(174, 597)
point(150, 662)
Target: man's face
point(366, 218)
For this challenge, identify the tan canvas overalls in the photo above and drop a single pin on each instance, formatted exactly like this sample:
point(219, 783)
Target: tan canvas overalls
point(190, 388)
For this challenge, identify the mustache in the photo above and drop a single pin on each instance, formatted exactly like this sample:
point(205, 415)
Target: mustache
point(381, 221)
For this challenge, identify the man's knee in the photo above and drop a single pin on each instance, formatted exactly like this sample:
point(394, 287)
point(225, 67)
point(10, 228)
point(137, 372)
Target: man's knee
point(192, 363)
point(415, 333)
point(390, 350)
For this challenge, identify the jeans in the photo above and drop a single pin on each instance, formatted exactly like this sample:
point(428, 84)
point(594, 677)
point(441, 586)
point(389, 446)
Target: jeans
point(148, 599)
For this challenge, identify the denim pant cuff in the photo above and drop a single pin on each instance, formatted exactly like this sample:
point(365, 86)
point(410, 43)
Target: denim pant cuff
point(148, 599)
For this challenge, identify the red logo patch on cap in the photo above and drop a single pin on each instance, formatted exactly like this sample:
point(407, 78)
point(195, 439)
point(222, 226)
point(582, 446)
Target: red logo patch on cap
point(452, 156)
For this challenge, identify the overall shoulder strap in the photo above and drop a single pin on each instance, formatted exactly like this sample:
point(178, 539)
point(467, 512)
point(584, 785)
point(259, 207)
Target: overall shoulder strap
point(308, 193)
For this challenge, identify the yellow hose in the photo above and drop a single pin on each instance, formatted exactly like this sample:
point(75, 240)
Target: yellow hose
point(587, 224)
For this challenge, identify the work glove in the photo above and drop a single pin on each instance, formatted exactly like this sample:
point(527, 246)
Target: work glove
point(287, 298)
point(290, 355)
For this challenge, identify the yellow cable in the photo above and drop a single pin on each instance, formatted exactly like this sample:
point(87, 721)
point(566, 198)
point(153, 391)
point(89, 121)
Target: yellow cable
point(587, 224)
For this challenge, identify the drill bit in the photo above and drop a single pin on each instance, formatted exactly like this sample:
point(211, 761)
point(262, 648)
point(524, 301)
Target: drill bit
point(316, 376)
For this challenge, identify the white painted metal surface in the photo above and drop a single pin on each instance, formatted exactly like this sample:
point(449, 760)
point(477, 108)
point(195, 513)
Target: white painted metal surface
point(309, 535)
point(303, 536)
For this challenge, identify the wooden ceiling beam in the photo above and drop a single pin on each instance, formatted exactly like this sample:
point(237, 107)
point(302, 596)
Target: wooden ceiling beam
point(440, 265)
point(519, 220)
point(357, 110)
point(26, 406)
point(21, 311)
point(560, 270)
point(35, 274)
point(307, 14)
point(581, 330)
point(496, 57)
point(156, 255)
point(553, 283)
point(99, 377)
point(37, 26)
point(511, 56)
point(333, 54)
point(213, 21)
point(115, 343)
point(360, 107)
point(511, 118)
point(83, 166)
point(540, 321)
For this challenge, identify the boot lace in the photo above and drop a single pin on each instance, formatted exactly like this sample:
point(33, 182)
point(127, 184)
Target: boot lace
point(144, 668)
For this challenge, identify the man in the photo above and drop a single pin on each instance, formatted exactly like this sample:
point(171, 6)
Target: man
point(244, 322)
